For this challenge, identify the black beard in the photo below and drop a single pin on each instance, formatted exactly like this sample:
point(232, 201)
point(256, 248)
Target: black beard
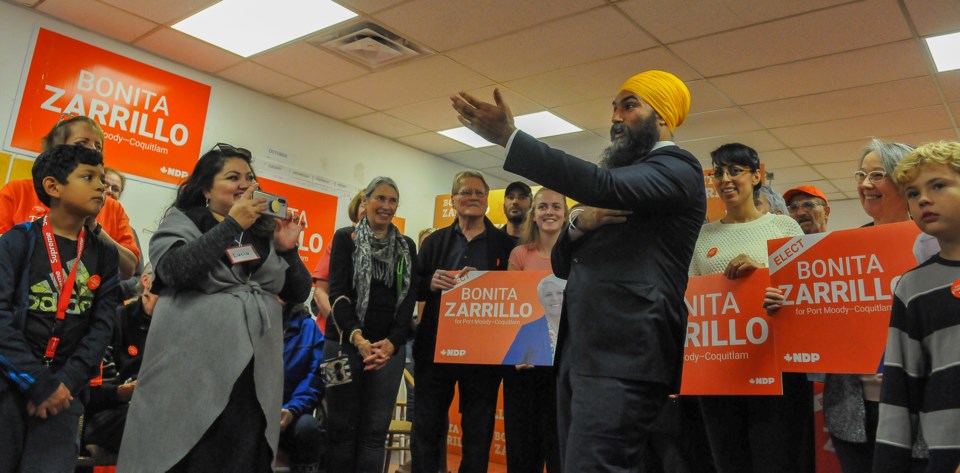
point(632, 146)
point(516, 219)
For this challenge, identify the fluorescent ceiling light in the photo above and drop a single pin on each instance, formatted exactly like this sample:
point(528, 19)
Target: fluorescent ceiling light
point(945, 50)
point(247, 27)
point(537, 125)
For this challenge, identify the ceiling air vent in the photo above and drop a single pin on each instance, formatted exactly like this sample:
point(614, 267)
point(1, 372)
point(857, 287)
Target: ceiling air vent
point(371, 45)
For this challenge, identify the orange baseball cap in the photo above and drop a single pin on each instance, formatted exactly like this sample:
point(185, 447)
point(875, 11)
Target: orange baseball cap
point(809, 190)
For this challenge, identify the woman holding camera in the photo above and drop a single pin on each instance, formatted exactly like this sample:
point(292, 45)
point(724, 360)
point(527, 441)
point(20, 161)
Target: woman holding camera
point(372, 300)
point(209, 392)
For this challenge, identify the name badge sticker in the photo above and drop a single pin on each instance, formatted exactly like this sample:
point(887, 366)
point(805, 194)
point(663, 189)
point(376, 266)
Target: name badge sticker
point(242, 254)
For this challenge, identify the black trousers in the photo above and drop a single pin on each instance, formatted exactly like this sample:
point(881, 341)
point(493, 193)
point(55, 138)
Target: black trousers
point(604, 423)
point(530, 420)
point(857, 457)
point(479, 386)
point(762, 434)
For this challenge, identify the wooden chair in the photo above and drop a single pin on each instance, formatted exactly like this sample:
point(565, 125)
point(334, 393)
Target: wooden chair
point(400, 431)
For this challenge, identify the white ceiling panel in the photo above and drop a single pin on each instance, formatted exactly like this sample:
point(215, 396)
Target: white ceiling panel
point(265, 80)
point(369, 6)
point(474, 159)
point(950, 83)
point(416, 81)
point(162, 12)
point(705, 97)
point(187, 50)
point(759, 140)
point(840, 170)
point(333, 106)
point(933, 17)
point(434, 143)
point(832, 153)
point(95, 16)
point(792, 39)
point(590, 36)
point(839, 71)
point(824, 185)
point(881, 124)
point(505, 176)
point(858, 101)
point(796, 174)
point(310, 64)
point(592, 115)
point(779, 159)
point(601, 79)
point(443, 25)
point(846, 185)
point(717, 123)
point(385, 125)
point(579, 144)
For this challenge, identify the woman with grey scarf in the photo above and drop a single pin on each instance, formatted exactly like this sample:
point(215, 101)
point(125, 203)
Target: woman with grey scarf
point(371, 272)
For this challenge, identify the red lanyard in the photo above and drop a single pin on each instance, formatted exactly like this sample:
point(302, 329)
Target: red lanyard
point(64, 287)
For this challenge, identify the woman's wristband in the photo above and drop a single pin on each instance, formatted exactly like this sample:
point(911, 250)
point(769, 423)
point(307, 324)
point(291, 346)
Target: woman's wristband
point(352, 333)
point(574, 214)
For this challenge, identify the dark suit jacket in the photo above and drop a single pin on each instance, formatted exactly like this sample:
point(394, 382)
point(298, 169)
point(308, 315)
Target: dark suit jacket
point(435, 248)
point(624, 314)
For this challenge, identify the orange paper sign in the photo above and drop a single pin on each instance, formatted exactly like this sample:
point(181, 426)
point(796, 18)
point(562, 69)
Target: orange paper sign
point(729, 347)
point(838, 288)
point(315, 210)
point(500, 317)
point(153, 120)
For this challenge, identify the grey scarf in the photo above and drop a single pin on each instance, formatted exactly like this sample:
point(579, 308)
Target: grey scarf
point(383, 259)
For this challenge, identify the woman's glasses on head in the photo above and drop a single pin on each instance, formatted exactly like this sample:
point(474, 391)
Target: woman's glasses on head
point(232, 150)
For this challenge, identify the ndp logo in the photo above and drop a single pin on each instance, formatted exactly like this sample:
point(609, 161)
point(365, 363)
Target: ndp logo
point(450, 352)
point(761, 380)
point(802, 357)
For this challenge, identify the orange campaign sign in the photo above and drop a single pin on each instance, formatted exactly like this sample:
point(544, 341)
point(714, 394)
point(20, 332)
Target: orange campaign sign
point(500, 317)
point(729, 349)
point(838, 290)
point(315, 210)
point(152, 120)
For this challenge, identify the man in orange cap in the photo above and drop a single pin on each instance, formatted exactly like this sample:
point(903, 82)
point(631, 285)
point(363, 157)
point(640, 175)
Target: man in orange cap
point(809, 207)
point(620, 346)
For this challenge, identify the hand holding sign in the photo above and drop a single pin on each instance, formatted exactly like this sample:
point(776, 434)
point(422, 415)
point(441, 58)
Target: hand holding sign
point(740, 266)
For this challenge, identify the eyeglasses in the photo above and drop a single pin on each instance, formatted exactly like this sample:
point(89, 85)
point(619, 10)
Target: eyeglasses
point(806, 206)
point(232, 150)
point(467, 193)
point(732, 171)
point(115, 188)
point(874, 176)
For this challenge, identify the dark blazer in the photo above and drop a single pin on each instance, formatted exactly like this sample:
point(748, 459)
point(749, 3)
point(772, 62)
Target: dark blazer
point(623, 309)
point(435, 247)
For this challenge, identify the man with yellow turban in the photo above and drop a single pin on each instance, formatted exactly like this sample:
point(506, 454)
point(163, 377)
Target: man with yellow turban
point(625, 257)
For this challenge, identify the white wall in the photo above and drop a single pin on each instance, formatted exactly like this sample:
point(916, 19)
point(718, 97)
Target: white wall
point(236, 115)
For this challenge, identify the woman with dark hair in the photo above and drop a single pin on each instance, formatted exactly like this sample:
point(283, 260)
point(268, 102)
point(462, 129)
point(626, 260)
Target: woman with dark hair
point(208, 396)
point(372, 295)
point(751, 433)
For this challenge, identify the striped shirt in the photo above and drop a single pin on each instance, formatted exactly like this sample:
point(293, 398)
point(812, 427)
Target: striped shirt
point(920, 396)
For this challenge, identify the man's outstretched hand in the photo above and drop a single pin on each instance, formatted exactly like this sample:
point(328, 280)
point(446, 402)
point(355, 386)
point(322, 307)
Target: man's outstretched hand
point(493, 122)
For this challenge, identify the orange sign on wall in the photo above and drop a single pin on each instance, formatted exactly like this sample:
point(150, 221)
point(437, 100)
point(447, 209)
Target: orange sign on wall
point(318, 212)
point(838, 288)
point(153, 120)
point(729, 348)
point(494, 317)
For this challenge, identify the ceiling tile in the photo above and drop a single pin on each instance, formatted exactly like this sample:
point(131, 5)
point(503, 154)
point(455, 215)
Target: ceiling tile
point(919, 138)
point(591, 115)
point(187, 50)
point(782, 186)
point(434, 143)
point(385, 125)
point(369, 6)
point(933, 17)
point(705, 97)
point(867, 100)
point(950, 83)
point(881, 124)
point(838, 170)
point(165, 12)
point(309, 64)
point(328, 104)
point(443, 25)
point(760, 140)
point(832, 153)
point(264, 80)
point(839, 71)
point(779, 159)
point(716, 123)
point(415, 81)
point(846, 185)
point(795, 38)
point(798, 174)
point(601, 79)
point(597, 34)
point(98, 17)
point(499, 173)
point(681, 19)
point(579, 144)
point(438, 114)
point(474, 159)
point(834, 196)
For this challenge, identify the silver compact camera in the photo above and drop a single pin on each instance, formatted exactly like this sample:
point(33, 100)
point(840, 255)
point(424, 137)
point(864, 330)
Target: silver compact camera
point(336, 371)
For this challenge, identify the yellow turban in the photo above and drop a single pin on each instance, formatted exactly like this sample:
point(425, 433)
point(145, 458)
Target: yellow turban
point(666, 93)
